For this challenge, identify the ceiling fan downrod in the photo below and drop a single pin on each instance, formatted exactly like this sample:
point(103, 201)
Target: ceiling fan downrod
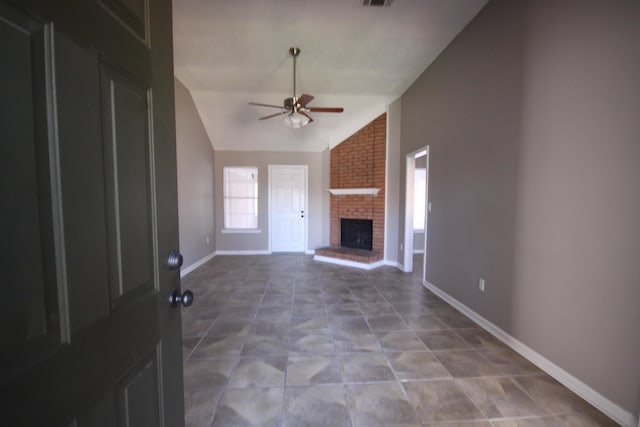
point(294, 51)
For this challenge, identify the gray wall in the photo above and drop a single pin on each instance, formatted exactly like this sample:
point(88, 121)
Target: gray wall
point(195, 158)
point(531, 115)
point(318, 197)
point(394, 126)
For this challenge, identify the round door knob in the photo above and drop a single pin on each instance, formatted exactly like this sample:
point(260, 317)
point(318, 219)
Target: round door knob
point(186, 299)
point(174, 260)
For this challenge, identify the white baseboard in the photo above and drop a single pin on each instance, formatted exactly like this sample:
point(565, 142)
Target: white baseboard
point(250, 252)
point(611, 409)
point(186, 270)
point(310, 252)
point(401, 267)
point(346, 263)
point(392, 264)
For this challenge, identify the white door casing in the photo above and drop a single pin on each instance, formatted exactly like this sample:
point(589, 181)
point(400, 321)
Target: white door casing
point(288, 208)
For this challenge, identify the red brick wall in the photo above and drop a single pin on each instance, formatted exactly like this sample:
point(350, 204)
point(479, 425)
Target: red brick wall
point(359, 162)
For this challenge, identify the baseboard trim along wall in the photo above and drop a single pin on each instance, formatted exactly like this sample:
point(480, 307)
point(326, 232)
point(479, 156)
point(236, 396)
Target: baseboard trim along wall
point(395, 264)
point(186, 270)
point(611, 409)
point(251, 252)
point(347, 263)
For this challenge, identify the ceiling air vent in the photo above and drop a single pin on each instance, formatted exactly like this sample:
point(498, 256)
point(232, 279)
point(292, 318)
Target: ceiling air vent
point(375, 3)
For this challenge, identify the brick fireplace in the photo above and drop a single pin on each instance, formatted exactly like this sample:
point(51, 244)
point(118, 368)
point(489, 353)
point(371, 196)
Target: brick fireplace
point(359, 162)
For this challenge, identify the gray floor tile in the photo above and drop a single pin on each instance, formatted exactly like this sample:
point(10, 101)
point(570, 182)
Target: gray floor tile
point(199, 406)
point(425, 322)
point(249, 407)
point(301, 344)
point(366, 367)
point(466, 363)
point(283, 340)
point(207, 373)
point(400, 341)
point(479, 338)
point(355, 342)
point(508, 361)
point(349, 324)
point(218, 346)
point(441, 400)
point(265, 345)
point(194, 326)
point(380, 404)
point(308, 370)
point(442, 340)
point(230, 327)
point(554, 397)
point(316, 406)
point(417, 365)
point(455, 320)
point(500, 398)
point(258, 372)
point(310, 324)
point(388, 322)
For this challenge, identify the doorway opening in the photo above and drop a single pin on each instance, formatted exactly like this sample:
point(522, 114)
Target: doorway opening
point(416, 209)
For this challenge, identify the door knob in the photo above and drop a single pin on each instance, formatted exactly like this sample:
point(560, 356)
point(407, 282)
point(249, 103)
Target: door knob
point(186, 299)
point(174, 260)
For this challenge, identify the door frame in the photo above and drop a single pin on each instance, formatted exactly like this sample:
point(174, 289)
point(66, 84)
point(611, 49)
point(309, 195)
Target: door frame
point(408, 210)
point(306, 203)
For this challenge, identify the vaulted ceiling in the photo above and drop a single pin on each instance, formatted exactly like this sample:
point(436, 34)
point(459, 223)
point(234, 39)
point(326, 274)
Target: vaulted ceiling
point(232, 52)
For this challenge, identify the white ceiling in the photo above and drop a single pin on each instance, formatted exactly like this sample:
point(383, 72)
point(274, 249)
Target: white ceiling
point(229, 53)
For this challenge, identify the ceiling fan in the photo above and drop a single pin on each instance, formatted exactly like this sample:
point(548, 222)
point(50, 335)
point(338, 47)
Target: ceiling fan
point(296, 108)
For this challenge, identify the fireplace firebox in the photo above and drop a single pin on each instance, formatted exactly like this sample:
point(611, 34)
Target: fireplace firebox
point(356, 233)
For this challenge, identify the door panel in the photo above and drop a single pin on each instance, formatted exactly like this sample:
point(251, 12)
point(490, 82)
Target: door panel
point(288, 208)
point(138, 395)
point(128, 185)
point(29, 312)
point(24, 322)
point(79, 136)
point(132, 14)
point(88, 133)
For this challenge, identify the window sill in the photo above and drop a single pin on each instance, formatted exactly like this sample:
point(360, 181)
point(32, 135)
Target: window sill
point(241, 231)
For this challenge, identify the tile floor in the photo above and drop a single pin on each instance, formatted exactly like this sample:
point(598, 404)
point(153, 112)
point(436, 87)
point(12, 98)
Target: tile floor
point(282, 340)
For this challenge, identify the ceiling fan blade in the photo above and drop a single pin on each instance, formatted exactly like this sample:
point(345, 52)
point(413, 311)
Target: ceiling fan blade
point(306, 115)
point(305, 99)
point(266, 105)
point(325, 109)
point(273, 115)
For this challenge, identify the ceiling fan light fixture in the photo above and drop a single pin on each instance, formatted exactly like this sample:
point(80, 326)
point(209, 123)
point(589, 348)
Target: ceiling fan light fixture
point(295, 120)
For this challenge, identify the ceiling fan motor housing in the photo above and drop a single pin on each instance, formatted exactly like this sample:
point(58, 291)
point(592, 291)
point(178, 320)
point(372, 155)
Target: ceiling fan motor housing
point(289, 103)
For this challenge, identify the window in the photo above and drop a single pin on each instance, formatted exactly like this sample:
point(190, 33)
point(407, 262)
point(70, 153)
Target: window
point(419, 189)
point(240, 198)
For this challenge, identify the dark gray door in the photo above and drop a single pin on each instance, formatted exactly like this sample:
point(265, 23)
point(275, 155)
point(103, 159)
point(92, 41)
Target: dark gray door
point(88, 216)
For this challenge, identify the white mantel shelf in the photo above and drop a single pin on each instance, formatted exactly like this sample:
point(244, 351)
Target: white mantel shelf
point(353, 191)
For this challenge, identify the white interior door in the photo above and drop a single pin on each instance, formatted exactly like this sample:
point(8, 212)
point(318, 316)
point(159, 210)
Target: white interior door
point(288, 208)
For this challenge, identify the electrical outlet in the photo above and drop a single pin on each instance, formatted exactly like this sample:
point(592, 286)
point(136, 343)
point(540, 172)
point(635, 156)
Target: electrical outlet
point(481, 285)
point(401, 246)
point(207, 240)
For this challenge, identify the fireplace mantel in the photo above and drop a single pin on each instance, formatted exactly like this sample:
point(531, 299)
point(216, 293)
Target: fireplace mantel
point(353, 191)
